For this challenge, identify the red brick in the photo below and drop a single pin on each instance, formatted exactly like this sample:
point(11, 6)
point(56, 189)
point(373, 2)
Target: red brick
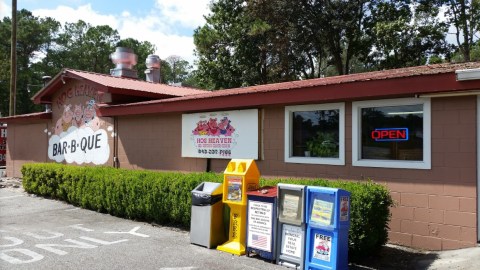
point(402, 212)
point(411, 199)
point(414, 227)
point(468, 205)
point(403, 239)
point(443, 202)
point(428, 215)
point(461, 219)
point(426, 242)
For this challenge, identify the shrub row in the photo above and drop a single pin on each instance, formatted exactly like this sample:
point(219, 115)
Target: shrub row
point(164, 197)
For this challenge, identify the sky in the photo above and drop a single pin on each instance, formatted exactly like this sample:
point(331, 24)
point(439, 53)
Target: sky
point(168, 24)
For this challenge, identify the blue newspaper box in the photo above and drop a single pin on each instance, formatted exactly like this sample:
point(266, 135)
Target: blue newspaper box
point(328, 221)
point(262, 222)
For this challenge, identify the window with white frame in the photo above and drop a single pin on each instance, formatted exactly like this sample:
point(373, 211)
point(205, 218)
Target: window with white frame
point(391, 133)
point(315, 134)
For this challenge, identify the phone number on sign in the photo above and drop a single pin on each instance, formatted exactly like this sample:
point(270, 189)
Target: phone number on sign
point(226, 153)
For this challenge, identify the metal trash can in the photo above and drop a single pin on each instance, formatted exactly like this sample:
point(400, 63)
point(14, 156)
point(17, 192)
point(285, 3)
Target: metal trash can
point(206, 224)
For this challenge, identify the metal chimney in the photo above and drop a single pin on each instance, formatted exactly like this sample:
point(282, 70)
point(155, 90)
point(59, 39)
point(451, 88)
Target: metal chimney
point(124, 59)
point(153, 68)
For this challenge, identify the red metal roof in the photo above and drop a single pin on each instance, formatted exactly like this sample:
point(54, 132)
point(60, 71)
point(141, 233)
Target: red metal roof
point(27, 118)
point(114, 85)
point(135, 84)
point(379, 84)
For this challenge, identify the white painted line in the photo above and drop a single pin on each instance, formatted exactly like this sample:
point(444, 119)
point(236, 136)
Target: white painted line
point(132, 232)
point(179, 268)
point(10, 197)
point(72, 209)
point(79, 227)
point(44, 237)
point(98, 241)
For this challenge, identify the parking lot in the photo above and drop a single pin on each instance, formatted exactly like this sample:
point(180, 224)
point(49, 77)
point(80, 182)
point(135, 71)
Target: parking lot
point(38, 233)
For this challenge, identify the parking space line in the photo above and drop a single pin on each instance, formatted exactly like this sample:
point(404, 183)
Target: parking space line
point(10, 197)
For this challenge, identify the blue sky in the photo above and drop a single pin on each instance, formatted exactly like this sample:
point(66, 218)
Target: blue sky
point(168, 24)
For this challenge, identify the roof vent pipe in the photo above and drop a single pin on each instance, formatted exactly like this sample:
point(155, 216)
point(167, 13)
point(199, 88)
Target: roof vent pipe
point(153, 68)
point(124, 59)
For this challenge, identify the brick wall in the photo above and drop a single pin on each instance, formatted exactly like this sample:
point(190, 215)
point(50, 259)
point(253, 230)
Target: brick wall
point(25, 143)
point(154, 142)
point(436, 209)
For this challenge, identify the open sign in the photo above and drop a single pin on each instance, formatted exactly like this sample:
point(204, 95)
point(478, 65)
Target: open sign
point(390, 134)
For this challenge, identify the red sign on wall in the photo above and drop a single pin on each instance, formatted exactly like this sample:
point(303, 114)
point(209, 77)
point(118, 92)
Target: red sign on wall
point(3, 146)
point(390, 134)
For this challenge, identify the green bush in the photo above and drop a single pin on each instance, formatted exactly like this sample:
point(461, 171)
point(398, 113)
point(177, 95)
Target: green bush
point(164, 197)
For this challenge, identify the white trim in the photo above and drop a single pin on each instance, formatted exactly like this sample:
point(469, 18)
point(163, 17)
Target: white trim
point(356, 131)
point(315, 160)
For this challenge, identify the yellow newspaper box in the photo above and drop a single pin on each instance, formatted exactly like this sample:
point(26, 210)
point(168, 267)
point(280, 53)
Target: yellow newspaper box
point(240, 176)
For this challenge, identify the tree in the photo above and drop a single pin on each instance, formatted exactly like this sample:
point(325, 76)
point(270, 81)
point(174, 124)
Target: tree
point(464, 15)
point(84, 47)
point(407, 34)
point(179, 69)
point(34, 35)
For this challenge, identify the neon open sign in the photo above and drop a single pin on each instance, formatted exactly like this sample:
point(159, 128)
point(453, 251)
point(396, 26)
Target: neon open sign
point(390, 134)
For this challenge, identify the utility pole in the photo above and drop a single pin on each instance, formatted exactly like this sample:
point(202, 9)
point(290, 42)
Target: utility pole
point(13, 60)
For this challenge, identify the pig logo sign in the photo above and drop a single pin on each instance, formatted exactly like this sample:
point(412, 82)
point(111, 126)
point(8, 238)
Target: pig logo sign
point(78, 137)
point(224, 134)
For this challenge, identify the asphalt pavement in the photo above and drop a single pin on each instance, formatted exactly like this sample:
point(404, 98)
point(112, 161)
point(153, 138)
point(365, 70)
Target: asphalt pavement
point(39, 233)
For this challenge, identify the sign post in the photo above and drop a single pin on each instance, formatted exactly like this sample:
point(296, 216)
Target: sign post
point(240, 176)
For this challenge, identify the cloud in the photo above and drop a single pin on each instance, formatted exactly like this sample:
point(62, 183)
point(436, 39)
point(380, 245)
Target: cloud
point(65, 14)
point(5, 11)
point(187, 13)
point(169, 25)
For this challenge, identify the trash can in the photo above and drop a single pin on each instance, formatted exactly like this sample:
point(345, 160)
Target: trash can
point(206, 224)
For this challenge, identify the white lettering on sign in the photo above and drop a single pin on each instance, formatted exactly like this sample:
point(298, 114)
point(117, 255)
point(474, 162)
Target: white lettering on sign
point(291, 240)
point(3, 133)
point(80, 146)
point(260, 218)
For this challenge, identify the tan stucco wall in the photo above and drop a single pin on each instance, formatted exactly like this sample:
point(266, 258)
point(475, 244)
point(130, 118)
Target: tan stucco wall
point(154, 142)
point(25, 143)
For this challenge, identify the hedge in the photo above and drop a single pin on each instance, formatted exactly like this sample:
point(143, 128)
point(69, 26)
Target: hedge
point(165, 198)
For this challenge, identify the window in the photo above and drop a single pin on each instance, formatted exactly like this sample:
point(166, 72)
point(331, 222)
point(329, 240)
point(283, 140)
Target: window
point(391, 133)
point(315, 134)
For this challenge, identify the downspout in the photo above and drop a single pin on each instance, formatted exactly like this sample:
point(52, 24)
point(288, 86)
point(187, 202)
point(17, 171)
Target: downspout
point(116, 162)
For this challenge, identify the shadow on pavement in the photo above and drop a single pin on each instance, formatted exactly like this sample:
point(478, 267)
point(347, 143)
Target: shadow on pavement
point(394, 257)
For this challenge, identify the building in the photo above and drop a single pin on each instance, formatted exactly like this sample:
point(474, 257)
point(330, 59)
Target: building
point(414, 129)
